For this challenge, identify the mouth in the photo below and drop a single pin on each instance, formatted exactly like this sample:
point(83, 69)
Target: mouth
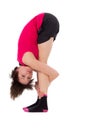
point(29, 69)
point(30, 72)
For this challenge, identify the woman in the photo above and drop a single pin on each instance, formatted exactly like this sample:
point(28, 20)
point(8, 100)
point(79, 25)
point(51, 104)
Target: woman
point(34, 46)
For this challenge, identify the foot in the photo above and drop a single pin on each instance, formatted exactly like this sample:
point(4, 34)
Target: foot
point(40, 107)
point(26, 109)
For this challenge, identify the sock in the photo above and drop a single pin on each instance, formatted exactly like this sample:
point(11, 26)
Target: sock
point(41, 106)
point(26, 109)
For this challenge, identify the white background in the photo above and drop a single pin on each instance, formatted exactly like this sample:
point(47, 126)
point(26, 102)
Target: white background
point(67, 95)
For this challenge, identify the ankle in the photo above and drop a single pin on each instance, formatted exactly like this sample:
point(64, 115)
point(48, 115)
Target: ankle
point(41, 94)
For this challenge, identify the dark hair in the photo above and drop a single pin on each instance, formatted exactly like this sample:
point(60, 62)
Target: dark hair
point(16, 87)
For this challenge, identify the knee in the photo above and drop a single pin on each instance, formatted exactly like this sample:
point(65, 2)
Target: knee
point(54, 76)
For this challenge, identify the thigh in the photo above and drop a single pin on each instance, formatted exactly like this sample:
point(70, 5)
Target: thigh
point(45, 49)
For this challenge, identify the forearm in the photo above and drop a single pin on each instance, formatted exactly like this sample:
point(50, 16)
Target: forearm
point(43, 68)
point(38, 66)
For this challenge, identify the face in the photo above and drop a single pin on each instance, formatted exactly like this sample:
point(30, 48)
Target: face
point(24, 74)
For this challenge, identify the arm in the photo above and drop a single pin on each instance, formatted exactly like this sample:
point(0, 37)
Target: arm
point(30, 60)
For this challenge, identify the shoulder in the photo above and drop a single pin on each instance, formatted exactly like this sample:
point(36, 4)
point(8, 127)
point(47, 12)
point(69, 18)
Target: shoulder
point(28, 57)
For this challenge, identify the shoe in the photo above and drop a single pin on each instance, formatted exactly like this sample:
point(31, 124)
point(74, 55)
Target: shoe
point(41, 105)
point(26, 109)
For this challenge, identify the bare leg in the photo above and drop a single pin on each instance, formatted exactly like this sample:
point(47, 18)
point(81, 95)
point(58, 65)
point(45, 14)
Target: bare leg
point(44, 51)
point(43, 80)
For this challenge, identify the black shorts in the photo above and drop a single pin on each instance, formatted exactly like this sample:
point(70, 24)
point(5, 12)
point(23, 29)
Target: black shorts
point(49, 28)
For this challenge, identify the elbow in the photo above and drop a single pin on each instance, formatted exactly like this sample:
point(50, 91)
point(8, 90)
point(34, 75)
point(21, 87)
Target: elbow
point(56, 75)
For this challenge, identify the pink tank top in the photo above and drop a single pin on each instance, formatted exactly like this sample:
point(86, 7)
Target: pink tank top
point(28, 38)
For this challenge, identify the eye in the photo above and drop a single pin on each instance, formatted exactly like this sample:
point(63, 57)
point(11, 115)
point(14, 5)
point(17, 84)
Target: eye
point(23, 76)
point(28, 78)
